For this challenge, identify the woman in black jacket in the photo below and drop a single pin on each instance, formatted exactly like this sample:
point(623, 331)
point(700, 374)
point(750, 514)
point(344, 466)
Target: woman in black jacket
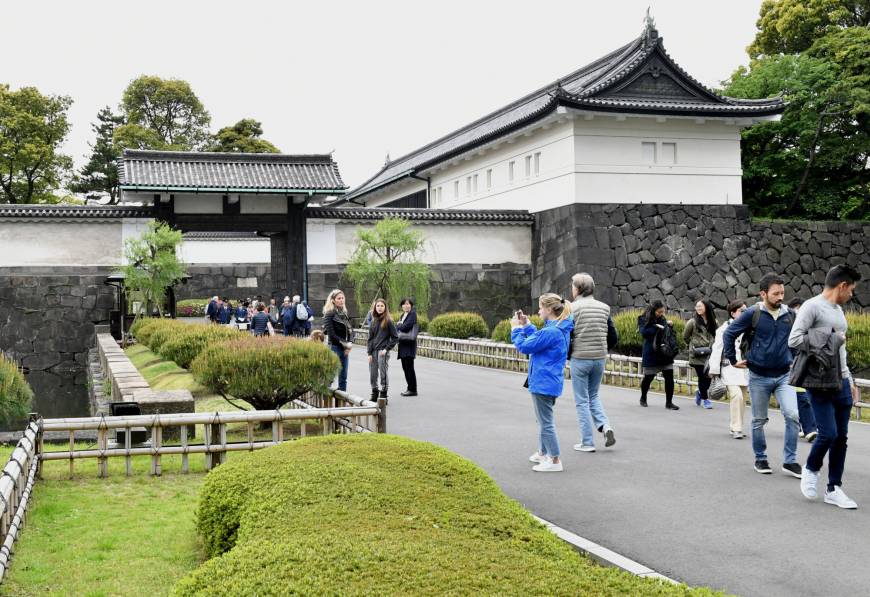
point(656, 331)
point(408, 348)
point(382, 338)
point(336, 326)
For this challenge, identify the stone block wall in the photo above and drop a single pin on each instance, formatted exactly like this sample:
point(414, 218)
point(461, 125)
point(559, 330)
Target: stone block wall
point(493, 290)
point(680, 253)
point(235, 281)
point(47, 319)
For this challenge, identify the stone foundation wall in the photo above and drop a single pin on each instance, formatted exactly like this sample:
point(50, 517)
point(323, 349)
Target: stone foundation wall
point(235, 281)
point(493, 290)
point(679, 253)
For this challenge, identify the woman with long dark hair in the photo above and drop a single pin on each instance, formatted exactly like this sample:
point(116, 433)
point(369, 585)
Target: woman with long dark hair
point(408, 329)
point(700, 334)
point(383, 336)
point(659, 350)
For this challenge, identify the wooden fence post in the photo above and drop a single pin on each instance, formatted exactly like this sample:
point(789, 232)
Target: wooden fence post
point(382, 415)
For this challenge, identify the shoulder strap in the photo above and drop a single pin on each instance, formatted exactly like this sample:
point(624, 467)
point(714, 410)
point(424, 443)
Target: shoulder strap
point(756, 315)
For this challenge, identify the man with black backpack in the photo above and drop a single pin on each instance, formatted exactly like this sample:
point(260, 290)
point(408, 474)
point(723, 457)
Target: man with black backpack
point(766, 327)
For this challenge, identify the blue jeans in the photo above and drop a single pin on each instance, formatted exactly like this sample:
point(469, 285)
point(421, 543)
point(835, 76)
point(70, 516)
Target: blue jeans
point(805, 413)
point(832, 409)
point(342, 375)
point(548, 443)
point(586, 377)
point(760, 390)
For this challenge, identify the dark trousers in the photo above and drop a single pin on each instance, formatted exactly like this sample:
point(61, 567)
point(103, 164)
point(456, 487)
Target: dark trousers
point(703, 381)
point(410, 374)
point(342, 375)
point(831, 409)
point(668, 374)
point(805, 413)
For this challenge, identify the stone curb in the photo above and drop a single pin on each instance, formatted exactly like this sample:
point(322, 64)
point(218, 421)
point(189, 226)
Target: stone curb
point(602, 555)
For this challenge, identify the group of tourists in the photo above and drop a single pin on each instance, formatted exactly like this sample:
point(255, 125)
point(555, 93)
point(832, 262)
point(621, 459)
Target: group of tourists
point(795, 353)
point(384, 334)
point(293, 317)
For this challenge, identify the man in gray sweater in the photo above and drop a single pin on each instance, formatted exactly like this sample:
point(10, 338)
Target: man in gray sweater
point(591, 326)
point(831, 408)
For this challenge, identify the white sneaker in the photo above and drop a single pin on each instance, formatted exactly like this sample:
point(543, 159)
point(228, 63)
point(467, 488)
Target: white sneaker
point(582, 448)
point(811, 436)
point(548, 467)
point(839, 499)
point(537, 457)
point(809, 480)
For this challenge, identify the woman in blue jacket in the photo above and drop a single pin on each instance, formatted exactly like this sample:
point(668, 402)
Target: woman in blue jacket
point(548, 350)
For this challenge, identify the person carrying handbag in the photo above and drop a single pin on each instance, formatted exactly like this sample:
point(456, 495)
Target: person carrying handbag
point(408, 330)
point(699, 334)
point(735, 380)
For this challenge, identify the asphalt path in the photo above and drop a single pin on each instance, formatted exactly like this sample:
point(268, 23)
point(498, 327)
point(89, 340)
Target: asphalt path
point(676, 493)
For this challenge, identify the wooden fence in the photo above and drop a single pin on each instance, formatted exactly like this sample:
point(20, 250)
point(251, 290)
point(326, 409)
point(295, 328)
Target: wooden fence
point(618, 370)
point(16, 487)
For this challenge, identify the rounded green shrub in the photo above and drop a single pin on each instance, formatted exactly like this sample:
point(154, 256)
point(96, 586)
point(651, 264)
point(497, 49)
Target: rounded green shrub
point(502, 330)
point(143, 327)
point(163, 332)
point(15, 393)
point(265, 372)
point(458, 324)
point(325, 515)
point(186, 344)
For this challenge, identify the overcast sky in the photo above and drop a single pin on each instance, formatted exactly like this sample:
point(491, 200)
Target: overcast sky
point(359, 78)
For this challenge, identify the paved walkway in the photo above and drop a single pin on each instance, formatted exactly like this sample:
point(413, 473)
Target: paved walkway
point(675, 493)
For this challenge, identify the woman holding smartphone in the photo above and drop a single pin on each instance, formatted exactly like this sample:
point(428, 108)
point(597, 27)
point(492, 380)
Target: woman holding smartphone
point(548, 350)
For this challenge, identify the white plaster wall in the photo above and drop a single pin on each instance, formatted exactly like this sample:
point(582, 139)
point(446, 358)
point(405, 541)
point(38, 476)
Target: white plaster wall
point(395, 191)
point(263, 204)
point(198, 204)
point(225, 251)
point(609, 165)
point(594, 158)
point(332, 242)
point(60, 243)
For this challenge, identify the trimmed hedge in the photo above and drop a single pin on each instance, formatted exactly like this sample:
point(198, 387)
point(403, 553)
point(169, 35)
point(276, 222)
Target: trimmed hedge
point(502, 330)
point(187, 343)
point(327, 516)
point(630, 340)
point(460, 325)
point(267, 372)
point(15, 393)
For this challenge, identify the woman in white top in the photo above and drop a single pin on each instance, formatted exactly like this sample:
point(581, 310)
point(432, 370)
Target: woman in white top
point(735, 379)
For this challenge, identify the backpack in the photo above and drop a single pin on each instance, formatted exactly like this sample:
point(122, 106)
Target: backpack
point(301, 312)
point(666, 343)
point(749, 335)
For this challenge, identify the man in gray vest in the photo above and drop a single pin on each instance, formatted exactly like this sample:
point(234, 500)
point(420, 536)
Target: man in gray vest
point(592, 330)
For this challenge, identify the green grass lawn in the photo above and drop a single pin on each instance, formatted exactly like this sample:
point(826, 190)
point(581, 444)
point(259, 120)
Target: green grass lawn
point(115, 536)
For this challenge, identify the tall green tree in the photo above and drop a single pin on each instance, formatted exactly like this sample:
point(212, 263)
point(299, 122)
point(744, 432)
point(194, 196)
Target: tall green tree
point(813, 162)
point(242, 137)
point(100, 174)
point(386, 264)
point(153, 264)
point(162, 114)
point(32, 128)
point(793, 26)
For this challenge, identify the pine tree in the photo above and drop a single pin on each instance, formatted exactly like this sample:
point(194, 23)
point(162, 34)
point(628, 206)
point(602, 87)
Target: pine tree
point(100, 174)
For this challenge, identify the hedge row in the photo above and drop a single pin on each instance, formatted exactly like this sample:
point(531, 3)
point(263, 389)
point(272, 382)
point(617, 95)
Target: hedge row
point(15, 393)
point(266, 372)
point(458, 324)
point(326, 516)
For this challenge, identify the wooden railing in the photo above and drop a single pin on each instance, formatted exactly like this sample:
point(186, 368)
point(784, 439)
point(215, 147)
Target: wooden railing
point(338, 412)
point(618, 370)
point(16, 487)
